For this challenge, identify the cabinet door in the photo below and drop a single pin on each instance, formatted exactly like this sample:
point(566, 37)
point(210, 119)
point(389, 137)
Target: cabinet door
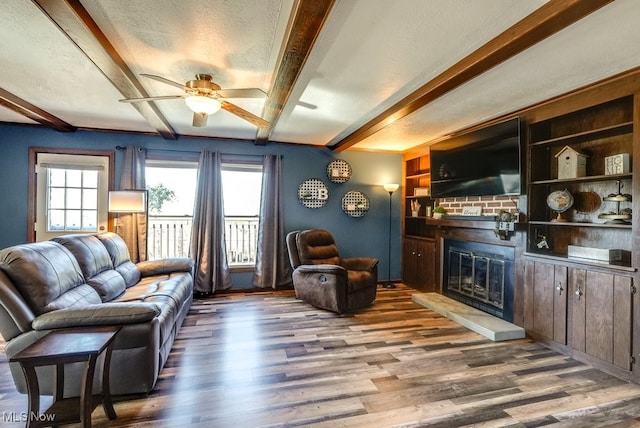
point(418, 264)
point(577, 290)
point(425, 265)
point(607, 301)
point(546, 300)
point(409, 262)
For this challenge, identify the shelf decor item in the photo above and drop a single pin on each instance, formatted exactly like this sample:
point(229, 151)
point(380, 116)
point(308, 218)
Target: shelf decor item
point(438, 212)
point(620, 216)
point(616, 164)
point(313, 193)
point(505, 224)
point(355, 203)
point(339, 171)
point(560, 201)
point(571, 163)
point(422, 191)
point(415, 208)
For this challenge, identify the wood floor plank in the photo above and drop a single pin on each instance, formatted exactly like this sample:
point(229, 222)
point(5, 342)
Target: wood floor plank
point(267, 359)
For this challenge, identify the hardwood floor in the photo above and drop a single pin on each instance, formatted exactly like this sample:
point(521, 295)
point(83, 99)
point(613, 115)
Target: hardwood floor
point(267, 359)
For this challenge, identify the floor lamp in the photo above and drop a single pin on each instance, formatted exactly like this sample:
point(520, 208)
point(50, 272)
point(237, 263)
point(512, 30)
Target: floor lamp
point(126, 202)
point(389, 188)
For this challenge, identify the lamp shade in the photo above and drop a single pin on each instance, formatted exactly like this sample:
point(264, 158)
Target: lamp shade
point(203, 105)
point(391, 187)
point(128, 201)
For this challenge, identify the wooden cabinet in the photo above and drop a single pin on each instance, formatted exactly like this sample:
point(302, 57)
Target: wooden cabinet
point(597, 217)
point(419, 263)
point(546, 300)
point(601, 306)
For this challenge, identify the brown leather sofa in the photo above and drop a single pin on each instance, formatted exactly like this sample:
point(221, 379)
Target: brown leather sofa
point(325, 280)
point(89, 280)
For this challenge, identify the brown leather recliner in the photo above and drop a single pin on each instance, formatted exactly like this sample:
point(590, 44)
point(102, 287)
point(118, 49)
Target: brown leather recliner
point(323, 279)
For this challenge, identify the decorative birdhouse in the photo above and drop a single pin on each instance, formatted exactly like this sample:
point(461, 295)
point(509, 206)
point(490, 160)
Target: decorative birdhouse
point(571, 163)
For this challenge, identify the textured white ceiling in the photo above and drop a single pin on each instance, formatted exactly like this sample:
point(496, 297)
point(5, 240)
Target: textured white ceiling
point(369, 55)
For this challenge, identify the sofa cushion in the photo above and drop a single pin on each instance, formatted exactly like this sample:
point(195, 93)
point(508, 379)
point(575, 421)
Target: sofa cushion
point(111, 314)
point(47, 275)
point(109, 285)
point(119, 254)
point(91, 255)
point(96, 265)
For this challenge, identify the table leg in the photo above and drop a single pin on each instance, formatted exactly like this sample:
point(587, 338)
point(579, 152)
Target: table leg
point(86, 393)
point(107, 404)
point(58, 393)
point(33, 391)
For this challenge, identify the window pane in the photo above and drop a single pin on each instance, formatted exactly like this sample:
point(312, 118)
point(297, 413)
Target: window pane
point(74, 178)
point(56, 198)
point(74, 199)
point(90, 179)
point(242, 191)
point(56, 220)
point(73, 220)
point(89, 220)
point(57, 177)
point(90, 199)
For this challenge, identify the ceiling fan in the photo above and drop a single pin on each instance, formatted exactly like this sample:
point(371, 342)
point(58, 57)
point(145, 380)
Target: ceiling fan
point(204, 97)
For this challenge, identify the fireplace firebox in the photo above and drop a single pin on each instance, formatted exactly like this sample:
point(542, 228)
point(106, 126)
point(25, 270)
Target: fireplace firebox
point(480, 275)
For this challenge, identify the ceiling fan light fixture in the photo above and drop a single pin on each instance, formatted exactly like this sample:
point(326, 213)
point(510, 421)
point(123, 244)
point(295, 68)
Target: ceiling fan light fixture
point(202, 105)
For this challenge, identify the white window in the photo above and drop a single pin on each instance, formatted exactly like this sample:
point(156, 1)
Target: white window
point(242, 189)
point(71, 194)
point(172, 186)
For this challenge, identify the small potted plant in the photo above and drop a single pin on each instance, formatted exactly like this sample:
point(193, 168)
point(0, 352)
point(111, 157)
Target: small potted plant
point(438, 212)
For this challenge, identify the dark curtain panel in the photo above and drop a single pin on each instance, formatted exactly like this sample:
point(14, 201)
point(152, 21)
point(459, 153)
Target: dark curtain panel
point(207, 234)
point(272, 264)
point(133, 227)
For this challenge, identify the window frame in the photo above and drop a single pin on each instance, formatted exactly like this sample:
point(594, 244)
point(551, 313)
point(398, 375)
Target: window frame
point(32, 181)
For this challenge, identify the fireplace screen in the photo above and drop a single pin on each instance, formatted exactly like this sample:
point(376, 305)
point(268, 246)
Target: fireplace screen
point(477, 275)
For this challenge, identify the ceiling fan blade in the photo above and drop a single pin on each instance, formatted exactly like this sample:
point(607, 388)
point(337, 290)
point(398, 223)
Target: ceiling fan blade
point(159, 98)
point(200, 119)
point(249, 117)
point(242, 93)
point(163, 80)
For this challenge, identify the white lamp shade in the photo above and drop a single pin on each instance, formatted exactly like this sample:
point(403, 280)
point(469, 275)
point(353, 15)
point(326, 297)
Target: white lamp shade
point(203, 105)
point(128, 201)
point(391, 187)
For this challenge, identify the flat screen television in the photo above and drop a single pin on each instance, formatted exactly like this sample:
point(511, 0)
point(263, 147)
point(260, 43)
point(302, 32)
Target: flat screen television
point(484, 162)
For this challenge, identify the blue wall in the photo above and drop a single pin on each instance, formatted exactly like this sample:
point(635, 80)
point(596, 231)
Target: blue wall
point(364, 236)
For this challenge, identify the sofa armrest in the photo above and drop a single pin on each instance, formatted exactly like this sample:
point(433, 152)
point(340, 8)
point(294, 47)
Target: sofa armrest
point(360, 263)
point(101, 314)
point(166, 266)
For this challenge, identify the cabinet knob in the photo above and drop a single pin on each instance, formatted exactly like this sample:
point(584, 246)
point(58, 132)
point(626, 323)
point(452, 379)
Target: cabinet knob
point(419, 254)
point(560, 289)
point(579, 293)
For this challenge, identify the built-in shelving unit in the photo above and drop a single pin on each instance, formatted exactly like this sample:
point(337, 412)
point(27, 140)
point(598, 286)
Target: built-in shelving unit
point(596, 132)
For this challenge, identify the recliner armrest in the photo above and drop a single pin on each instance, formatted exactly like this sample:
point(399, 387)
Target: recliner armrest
point(101, 314)
point(165, 266)
point(322, 268)
point(360, 263)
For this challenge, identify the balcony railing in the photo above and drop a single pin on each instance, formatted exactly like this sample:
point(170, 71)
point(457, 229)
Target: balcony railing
point(170, 236)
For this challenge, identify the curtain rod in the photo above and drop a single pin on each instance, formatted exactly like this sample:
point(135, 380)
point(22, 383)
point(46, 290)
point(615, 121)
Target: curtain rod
point(191, 152)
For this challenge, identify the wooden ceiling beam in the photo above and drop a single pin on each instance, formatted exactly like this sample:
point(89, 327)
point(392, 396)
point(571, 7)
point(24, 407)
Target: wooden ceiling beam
point(544, 22)
point(76, 23)
point(26, 109)
point(304, 27)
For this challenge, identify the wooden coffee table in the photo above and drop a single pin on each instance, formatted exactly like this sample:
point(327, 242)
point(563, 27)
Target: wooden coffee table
point(61, 347)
